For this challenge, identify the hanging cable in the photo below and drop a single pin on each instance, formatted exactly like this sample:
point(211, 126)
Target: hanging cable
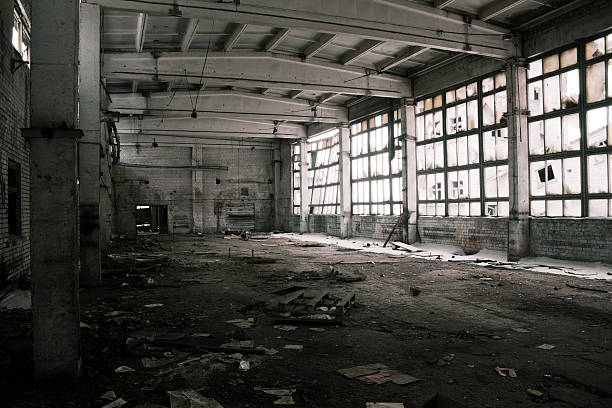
point(194, 113)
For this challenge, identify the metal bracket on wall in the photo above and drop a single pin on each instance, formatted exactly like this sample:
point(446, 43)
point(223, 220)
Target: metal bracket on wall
point(16, 64)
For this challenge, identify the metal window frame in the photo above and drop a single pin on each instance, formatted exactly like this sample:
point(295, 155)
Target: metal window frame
point(333, 141)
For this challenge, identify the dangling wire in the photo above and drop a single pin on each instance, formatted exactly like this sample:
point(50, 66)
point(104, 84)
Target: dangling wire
point(204, 65)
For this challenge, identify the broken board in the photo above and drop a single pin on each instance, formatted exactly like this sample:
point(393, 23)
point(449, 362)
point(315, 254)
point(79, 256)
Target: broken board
point(300, 302)
point(405, 247)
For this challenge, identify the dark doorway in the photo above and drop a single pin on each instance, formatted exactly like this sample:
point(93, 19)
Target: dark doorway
point(152, 219)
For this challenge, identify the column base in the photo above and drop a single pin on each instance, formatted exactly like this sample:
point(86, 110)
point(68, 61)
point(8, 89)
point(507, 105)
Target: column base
point(518, 238)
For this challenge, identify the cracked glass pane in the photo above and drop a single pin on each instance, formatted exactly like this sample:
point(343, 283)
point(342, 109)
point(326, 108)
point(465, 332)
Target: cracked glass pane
point(475, 183)
point(438, 123)
point(571, 132)
point(488, 110)
point(552, 130)
point(572, 208)
point(500, 106)
point(569, 57)
point(551, 63)
point(462, 151)
point(536, 138)
point(431, 191)
point(488, 85)
point(535, 98)
point(596, 128)
point(500, 80)
point(535, 69)
point(571, 175)
point(451, 152)
point(420, 107)
point(538, 208)
point(440, 186)
point(594, 48)
point(472, 89)
point(551, 94)
point(491, 209)
point(536, 182)
point(597, 168)
point(451, 121)
point(570, 89)
point(472, 114)
point(501, 144)
point(595, 82)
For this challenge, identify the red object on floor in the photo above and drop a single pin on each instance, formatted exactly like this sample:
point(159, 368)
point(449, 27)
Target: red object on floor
point(415, 291)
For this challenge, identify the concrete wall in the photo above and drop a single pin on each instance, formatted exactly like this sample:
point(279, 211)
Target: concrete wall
point(14, 115)
point(577, 239)
point(250, 169)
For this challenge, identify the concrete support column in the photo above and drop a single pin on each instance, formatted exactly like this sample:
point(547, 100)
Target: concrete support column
point(409, 172)
point(197, 188)
point(518, 159)
point(277, 189)
point(345, 182)
point(53, 188)
point(304, 192)
point(90, 144)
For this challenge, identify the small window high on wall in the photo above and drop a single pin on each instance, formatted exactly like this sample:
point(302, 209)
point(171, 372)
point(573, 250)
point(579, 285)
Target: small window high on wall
point(14, 198)
point(21, 32)
point(570, 130)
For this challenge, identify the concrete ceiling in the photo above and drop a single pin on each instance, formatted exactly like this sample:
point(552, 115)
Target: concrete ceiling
point(288, 61)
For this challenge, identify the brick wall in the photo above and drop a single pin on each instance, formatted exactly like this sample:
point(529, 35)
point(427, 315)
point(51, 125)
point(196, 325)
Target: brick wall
point(470, 233)
point(376, 226)
point(325, 224)
point(575, 239)
point(14, 115)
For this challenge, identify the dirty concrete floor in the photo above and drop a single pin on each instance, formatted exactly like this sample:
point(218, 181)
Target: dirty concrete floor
point(466, 321)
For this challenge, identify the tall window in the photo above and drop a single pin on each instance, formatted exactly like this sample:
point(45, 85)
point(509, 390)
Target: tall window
point(14, 198)
point(21, 32)
point(570, 131)
point(376, 165)
point(462, 150)
point(323, 175)
point(297, 198)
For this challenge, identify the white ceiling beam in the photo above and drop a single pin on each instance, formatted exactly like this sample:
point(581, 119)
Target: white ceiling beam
point(141, 29)
point(440, 4)
point(490, 11)
point(409, 23)
point(327, 97)
point(210, 127)
point(404, 56)
point(295, 94)
point(254, 70)
point(226, 104)
point(130, 139)
point(189, 34)
point(231, 42)
point(278, 38)
point(364, 48)
point(323, 41)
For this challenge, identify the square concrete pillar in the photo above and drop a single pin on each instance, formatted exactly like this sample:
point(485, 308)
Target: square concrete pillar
point(345, 182)
point(409, 172)
point(518, 159)
point(304, 192)
point(277, 189)
point(55, 252)
point(197, 186)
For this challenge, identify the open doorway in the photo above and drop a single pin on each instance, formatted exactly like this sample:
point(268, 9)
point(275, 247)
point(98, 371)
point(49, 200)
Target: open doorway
point(152, 219)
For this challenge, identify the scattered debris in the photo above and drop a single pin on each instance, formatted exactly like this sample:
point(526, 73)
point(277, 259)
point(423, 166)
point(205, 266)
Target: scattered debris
point(285, 327)
point(116, 403)
point(377, 373)
point(191, 399)
point(124, 369)
point(154, 305)
point(242, 323)
point(384, 405)
point(284, 394)
point(405, 247)
point(585, 288)
point(546, 346)
point(293, 347)
point(244, 365)
point(316, 329)
point(200, 335)
point(506, 372)
point(535, 393)
point(415, 291)
point(109, 396)
point(520, 330)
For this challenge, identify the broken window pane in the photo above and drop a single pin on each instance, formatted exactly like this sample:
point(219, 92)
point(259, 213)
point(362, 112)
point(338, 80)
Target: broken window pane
point(450, 96)
point(461, 118)
point(536, 138)
point(535, 69)
point(461, 93)
point(597, 128)
point(462, 151)
point(595, 82)
point(487, 85)
point(597, 168)
point(595, 48)
point(570, 89)
point(472, 114)
point(551, 63)
point(473, 150)
point(552, 130)
point(488, 110)
point(553, 174)
point(500, 80)
point(472, 89)
point(572, 208)
point(453, 186)
point(451, 152)
point(537, 178)
point(535, 98)
point(500, 106)
point(474, 183)
point(571, 175)
point(420, 107)
point(538, 208)
point(451, 121)
point(571, 132)
point(429, 126)
point(598, 208)
point(429, 156)
point(551, 94)
point(569, 57)
point(491, 209)
point(554, 208)
point(463, 184)
point(438, 124)
point(501, 144)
